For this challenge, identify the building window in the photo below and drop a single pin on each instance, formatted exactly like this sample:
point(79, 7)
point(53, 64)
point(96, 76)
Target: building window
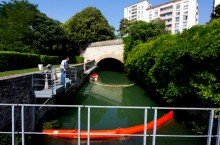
point(177, 31)
point(155, 13)
point(178, 6)
point(177, 19)
point(184, 24)
point(185, 13)
point(177, 26)
point(185, 18)
point(185, 7)
point(177, 13)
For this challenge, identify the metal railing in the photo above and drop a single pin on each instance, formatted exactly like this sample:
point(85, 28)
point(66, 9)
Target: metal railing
point(154, 135)
point(89, 64)
point(48, 80)
point(44, 80)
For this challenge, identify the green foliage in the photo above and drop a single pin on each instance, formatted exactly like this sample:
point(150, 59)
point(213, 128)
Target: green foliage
point(124, 27)
point(216, 13)
point(16, 18)
point(87, 26)
point(141, 31)
point(77, 59)
point(6, 139)
point(15, 60)
point(179, 67)
point(54, 124)
point(48, 37)
point(23, 28)
point(50, 59)
point(198, 128)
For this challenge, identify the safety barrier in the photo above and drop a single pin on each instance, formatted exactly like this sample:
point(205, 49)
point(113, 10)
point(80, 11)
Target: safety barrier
point(154, 135)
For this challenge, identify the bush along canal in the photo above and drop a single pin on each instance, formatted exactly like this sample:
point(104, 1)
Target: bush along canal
point(115, 89)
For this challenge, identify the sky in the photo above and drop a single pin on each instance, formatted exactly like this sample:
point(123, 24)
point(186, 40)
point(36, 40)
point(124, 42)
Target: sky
point(113, 10)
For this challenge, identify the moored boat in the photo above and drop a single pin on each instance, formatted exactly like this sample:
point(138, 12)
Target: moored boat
point(93, 77)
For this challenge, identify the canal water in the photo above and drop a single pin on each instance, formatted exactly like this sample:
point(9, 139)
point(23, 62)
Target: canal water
point(115, 89)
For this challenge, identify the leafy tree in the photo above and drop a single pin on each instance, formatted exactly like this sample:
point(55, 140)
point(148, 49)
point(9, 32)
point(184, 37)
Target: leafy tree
point(141, 31)
point(87, 26)
point(48, 36)
point(23, 28)
point(15, 22)
point(182, 69)
point(216, 13)
point(124, 27)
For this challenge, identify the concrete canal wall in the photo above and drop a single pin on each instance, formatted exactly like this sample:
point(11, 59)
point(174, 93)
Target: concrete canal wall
point(16, 90)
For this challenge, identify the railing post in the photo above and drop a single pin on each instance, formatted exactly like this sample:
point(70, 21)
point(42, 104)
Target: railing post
point(84, 66)
point(210, 127)
point(155, 127)
point(79, 129)
point(22, 125)
point(13, 124)
point(32, 81)
point(145, 126)
point(65, 79)
point(88, 129)
point(218, 131)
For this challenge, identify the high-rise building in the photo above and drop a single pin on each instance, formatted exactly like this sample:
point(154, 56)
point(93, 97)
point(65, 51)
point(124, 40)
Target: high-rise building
point(137, 11)
point(177, 14)
point(216, 2)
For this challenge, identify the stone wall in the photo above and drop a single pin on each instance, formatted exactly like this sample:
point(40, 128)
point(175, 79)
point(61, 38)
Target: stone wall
point(16, 90)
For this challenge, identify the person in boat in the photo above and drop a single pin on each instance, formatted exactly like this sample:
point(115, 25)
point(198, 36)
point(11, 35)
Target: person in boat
point(64, 66)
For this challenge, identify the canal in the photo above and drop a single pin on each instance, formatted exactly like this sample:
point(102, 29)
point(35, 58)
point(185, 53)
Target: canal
point(115, 89)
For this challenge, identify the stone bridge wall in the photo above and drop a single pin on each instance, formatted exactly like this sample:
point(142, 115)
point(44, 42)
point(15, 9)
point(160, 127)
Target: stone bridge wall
point(104, 49)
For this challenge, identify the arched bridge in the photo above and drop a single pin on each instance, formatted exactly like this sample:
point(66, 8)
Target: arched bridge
point(104, 49)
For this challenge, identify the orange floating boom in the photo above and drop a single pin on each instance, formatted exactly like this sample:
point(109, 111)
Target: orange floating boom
point(113, 133)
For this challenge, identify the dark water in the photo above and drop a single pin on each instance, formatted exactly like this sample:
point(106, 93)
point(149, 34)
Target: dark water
point(92, 94)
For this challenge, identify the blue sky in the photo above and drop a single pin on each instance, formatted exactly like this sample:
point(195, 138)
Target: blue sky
point(113, 10)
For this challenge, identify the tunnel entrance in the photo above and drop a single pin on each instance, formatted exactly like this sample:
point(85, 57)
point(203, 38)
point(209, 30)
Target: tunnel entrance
point(111, 64)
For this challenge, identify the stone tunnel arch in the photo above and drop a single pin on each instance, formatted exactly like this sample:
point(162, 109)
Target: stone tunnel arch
point(113, 56)
point(110, 63)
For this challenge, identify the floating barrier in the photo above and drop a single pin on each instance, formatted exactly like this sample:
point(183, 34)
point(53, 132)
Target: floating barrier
point(114, 133)
point(113, 86)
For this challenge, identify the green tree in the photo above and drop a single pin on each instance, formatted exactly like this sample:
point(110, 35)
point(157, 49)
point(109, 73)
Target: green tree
point(124, 27)
point(141, 31)
point(87, 26)
point(15, 24)
point(216, 13)
point(48, 36)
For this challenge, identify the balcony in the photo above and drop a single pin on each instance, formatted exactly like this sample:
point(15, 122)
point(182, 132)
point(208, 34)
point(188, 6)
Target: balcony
point(167, 10)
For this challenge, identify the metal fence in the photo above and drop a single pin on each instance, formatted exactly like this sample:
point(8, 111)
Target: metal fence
point(154, 135)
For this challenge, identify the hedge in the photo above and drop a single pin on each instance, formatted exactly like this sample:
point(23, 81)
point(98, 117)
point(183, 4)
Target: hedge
point(15, 61)
point(183, 67)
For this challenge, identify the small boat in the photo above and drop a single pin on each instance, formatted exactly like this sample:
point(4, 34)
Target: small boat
point(93, 77)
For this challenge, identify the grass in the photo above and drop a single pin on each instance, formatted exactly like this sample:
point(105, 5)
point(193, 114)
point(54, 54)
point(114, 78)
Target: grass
point(22, 71)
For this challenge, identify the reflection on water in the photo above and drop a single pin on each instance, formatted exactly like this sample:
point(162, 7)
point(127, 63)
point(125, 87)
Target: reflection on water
point(91, 94)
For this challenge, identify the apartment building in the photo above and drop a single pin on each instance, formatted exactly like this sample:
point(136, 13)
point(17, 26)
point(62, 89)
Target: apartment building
point(137, 11)
point(178, 14)
point(216, 2)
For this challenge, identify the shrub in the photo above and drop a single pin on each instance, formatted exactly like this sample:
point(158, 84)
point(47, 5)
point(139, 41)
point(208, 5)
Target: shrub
point(50, 59)
point(15, 60)
point(183, 67)
point(77, 59)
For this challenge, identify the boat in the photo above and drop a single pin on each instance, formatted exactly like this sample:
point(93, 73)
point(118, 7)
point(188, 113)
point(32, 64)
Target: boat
point(93, 77)
point(113, 133)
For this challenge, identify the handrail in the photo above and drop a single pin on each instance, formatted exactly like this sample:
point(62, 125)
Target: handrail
point(209, 136)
